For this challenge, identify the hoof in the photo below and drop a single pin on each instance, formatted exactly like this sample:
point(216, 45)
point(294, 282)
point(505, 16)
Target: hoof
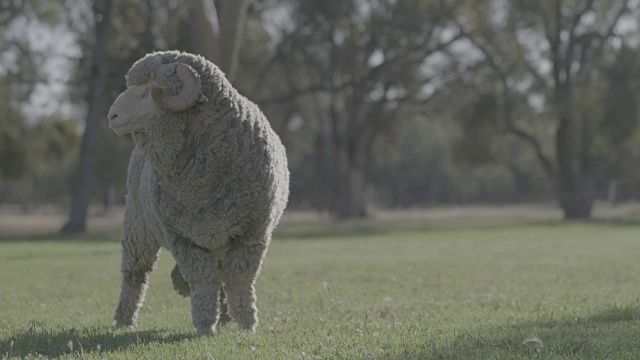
point(119, 324)
point(247, 328)
point(207, 331)
point(247, 321)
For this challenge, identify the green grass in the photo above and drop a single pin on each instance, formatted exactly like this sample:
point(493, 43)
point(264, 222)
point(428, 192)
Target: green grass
point(497, 291)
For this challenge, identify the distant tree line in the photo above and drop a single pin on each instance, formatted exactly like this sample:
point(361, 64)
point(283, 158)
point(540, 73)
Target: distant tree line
point(380, 103)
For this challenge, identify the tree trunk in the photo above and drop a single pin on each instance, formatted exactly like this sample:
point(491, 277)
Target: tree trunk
point(82, 183)
point(321, 172)
point(577, 203)
point(352, 200)
point(205, 29)
point(231, 30)
point(217, 37)
point(575, 182)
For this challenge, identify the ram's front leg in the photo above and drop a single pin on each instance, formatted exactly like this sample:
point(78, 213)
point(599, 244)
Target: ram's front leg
point(139, 255)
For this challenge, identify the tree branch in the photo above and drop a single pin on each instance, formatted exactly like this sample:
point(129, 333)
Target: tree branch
point(508, 110)
point(372, 74)
point(611, 27)
point(577, 18)
point(296, 93)
point(544, 160)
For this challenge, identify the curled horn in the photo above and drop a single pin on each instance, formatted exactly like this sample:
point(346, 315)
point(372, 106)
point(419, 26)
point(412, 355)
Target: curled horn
point(191, 89)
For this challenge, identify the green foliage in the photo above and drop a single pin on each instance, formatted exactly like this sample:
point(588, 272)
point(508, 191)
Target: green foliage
point(341, 78)
point(478, 122)
point(46, 162)
point(29, 152)
point(111, 164)
point(354, 74)
point(13, 146)
point(53, 146)
point(486, 183)
point(420, 170)
point(497, 290)
point(137, 28)
point(620, 102)
point(560, 54)
point(53, 139)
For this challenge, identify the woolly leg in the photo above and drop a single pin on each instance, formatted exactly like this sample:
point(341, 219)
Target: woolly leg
point(138, 261)
point(139, 249)
point(242, 305)
point(199, 269)
point(204, 307)
point(240, 269)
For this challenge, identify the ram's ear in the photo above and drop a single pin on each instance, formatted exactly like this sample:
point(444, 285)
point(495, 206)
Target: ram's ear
point(191, 89)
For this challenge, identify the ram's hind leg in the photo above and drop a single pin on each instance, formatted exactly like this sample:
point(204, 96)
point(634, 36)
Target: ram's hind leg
point(182, 288)
point(199, 269)
point(240, 268)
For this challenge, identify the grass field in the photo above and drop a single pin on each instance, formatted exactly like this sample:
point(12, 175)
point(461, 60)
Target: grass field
point(499, 289)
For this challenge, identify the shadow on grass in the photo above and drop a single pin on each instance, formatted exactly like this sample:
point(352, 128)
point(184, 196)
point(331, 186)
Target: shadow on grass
point(365, 228)
point(359, 229)
point(337, 230)
point(616, 314)
point(76, 237)
point(58, 342)
point(611, 333)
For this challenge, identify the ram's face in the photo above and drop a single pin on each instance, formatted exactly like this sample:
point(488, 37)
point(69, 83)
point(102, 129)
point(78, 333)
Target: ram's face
point(131, 109)
point(142, 103)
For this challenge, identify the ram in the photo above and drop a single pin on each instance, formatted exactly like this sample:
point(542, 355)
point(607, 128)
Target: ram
point(207, 180)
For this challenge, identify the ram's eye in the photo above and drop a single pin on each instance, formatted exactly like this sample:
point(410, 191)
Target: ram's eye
point(146, 92)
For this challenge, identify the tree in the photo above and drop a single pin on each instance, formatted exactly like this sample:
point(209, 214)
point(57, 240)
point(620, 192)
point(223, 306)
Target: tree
point(351, 68)
point(81, 185)
point(518, 39)
point(51, 157)
point(13, 147)
point(206, 38)
point(20, 72)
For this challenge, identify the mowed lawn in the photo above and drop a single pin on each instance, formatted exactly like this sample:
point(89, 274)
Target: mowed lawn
point(509, 290)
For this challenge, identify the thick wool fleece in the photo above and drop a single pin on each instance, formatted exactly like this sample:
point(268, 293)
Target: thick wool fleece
point(209, 184)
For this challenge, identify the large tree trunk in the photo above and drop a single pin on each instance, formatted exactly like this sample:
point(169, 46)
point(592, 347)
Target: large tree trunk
point(205, 29)
point(231, 30)
point(320, 172)
point(216, 34)
point(575, 179)
point(352, 200)
point(82, 183)
point(352, 142)
point(577, 203)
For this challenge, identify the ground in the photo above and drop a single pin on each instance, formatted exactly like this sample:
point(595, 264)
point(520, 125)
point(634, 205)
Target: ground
point(481, 283)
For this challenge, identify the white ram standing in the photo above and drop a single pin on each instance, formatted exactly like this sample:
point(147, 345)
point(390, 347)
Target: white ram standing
point(207, 180)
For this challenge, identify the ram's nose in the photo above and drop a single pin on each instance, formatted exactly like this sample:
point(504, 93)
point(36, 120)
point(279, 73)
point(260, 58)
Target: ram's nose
point(112, 116)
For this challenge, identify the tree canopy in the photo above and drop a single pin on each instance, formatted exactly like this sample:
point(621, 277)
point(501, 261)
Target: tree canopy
point(380, 103)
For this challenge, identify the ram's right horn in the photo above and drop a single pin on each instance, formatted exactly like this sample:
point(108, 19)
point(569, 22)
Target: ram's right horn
point(190, 94)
